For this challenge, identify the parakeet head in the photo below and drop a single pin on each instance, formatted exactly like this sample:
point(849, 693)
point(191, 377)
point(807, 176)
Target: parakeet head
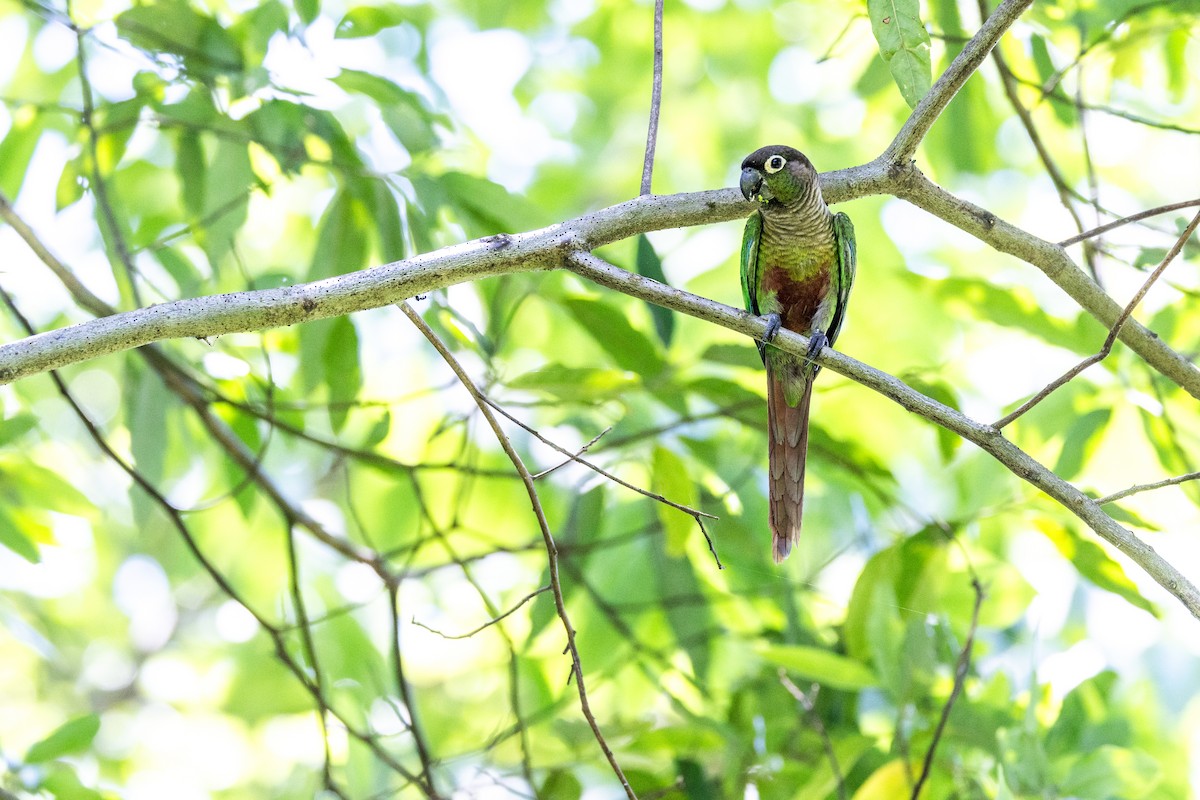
point(776, 172)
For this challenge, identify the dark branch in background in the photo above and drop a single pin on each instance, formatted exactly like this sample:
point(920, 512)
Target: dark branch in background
point(1058, 97)
point(1061, 185)
point(1107, 347)
point(1141, 215)
point(960, 676)
point(809, 706)
point(655, 99)
point(98, 181)
point(276, 632)
point(405, 689)
point(304, 624)
point(909, 138)
point(547, 537)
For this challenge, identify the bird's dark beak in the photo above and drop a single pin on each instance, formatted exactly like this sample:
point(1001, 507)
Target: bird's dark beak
point(751, 183)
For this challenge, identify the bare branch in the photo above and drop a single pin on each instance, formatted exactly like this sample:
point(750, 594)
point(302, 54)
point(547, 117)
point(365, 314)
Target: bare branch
point(599, 470)
point(960, 676)
point(1107, 347)
point(1146, 487)
point(1053, 261)
point(1061, 186)
point(543, 525)
point(655, 99)
point(571, 457)
point(1141, 215)
point(487, 624)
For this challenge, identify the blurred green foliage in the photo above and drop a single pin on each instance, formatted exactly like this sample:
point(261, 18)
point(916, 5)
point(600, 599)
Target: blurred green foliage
point(175, 149)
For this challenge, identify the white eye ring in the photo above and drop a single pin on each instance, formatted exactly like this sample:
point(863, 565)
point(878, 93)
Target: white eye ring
point(774, 164)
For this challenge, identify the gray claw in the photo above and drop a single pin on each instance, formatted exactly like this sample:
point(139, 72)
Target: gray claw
point(774, 322)
point(816, 343)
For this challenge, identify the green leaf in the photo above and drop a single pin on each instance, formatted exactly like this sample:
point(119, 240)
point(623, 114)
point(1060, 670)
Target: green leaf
point(669, 478)
point(576, 383)
point(308, 10)
point(1094, 564)
point(1166, 447)
point(70, 185)
point(191, 167)
point(1130, 518)
point(406, 113)
point(1082, 439)
point(343, 372)
point(735, 355)
point(1149, 257)
point(342, 240)
point(678, 738)
point(12, 537)
point(16, 426)
point(628, 347)
point(562, 784)
point(363, 21)
point(226, 194)
point(650, 266)
point(1013, 307)
point(71, 737)
point(1175, 58)
point(204, 47)
point(1046, 73)
point(823, 666)
point(62, 782)
point(17, 148)
point(879, 571)
point(1108, 772)
point(903, 44)
point(696, 782)
point(948, 441)
point(485, 207)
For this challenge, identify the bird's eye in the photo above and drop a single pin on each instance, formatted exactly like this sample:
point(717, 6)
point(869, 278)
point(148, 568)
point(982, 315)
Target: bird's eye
point(774, 163)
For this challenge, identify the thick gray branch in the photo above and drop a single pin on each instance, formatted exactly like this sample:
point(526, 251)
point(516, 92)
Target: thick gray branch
point(1052, 260)
point(942, 92)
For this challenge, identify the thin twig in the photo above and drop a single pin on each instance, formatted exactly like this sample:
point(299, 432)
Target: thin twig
point(809, 706)
point(1109, 340)
point(1061, 186)
point(571, 457)
point(655, 99)
point(693, 513)
point(598, 470)
point(487, 624)
point(544, 527)
point(1146, 487)
point(960, 676)
point(1141, 215)
point(99, 183)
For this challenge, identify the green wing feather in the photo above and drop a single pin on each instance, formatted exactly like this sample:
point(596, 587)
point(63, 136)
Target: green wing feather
point(847, 260)
point(750, 242)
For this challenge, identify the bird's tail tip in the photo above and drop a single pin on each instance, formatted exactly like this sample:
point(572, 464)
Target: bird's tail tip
point(782, 545)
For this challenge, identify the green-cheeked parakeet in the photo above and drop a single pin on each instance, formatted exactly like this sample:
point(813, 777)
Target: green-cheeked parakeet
point(797, 268)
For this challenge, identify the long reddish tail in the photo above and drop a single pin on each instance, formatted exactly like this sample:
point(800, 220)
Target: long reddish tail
point(788, 449)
